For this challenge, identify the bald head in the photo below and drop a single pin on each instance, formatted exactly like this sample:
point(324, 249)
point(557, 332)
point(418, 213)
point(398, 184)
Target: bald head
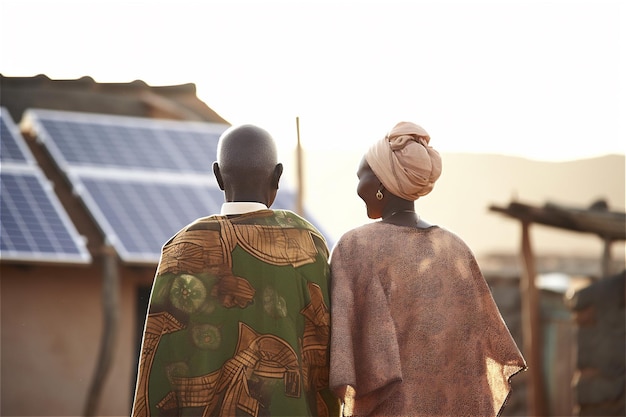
point(246, 146)
point(247, 168)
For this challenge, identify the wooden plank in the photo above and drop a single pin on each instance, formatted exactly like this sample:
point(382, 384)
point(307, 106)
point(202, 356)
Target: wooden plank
point(606, 224)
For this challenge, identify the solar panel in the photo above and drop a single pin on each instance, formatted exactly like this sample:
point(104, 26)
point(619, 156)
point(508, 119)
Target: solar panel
point(131, 143)
point(138, 216)
point(12, 146)
point(141, 179)
point(34, 225)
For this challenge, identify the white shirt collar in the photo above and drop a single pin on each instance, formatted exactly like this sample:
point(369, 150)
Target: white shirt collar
point(241, 207)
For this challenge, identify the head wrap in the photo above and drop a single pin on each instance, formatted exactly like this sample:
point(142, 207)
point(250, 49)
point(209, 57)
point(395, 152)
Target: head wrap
point(404, 162)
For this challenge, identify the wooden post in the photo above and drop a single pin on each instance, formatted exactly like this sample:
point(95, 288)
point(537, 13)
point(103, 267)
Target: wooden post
point(110, 302)
point(300, 180)
point(531, 328)
point(606, 258)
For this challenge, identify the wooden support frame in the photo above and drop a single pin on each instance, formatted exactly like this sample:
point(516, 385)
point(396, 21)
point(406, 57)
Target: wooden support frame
point(531, 327)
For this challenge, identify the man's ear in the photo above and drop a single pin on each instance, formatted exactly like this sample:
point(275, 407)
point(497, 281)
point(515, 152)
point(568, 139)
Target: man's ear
point(218, 175)
point(278, 171)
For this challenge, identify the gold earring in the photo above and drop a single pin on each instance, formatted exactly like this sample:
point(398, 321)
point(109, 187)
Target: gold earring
point(379, 195)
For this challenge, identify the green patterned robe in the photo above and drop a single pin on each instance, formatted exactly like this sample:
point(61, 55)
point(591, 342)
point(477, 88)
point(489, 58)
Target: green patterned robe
point(238, 321)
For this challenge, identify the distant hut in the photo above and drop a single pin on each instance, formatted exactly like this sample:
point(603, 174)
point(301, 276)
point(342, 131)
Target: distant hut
point(544, 383)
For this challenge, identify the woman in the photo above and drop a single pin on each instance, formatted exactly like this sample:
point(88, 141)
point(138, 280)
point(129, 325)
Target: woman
point(415, 330)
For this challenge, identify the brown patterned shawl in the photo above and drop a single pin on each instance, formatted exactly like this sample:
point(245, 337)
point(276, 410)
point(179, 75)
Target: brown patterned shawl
point(415, 330)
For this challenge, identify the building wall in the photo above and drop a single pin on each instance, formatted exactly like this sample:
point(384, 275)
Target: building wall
point(52, 323)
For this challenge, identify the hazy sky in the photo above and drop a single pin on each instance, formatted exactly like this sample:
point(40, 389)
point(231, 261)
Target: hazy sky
point(538, 79)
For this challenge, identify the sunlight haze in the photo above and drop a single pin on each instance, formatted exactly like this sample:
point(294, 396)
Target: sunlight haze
point(540, 80)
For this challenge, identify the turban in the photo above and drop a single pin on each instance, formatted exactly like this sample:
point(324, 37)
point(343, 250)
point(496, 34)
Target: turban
point(404, 162)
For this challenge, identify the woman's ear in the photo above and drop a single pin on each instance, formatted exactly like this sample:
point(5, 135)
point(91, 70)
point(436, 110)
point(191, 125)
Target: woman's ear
point(218, 175)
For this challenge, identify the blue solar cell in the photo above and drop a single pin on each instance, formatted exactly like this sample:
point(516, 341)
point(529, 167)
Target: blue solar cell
point(12, 146)
point(129, 143)
point(34, 225)
point(140, 216)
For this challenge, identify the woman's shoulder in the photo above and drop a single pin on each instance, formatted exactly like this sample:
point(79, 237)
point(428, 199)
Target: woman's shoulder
point(363, 230)
point(380, 230)
point(453, 241)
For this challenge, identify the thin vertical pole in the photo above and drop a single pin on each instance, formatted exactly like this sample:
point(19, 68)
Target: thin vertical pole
point(531, 328)
point(300, 180)
point(606, 258)
point(110, 301)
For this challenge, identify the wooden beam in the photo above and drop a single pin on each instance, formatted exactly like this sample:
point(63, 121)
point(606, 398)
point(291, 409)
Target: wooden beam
point(531, 328)
point(606, 224)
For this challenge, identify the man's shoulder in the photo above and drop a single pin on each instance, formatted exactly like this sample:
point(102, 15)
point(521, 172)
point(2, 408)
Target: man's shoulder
point(273, 218)
point(284, 219)
point(288, 218)
point(209, 223)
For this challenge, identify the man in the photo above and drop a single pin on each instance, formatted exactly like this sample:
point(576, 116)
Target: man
point(238, 320)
